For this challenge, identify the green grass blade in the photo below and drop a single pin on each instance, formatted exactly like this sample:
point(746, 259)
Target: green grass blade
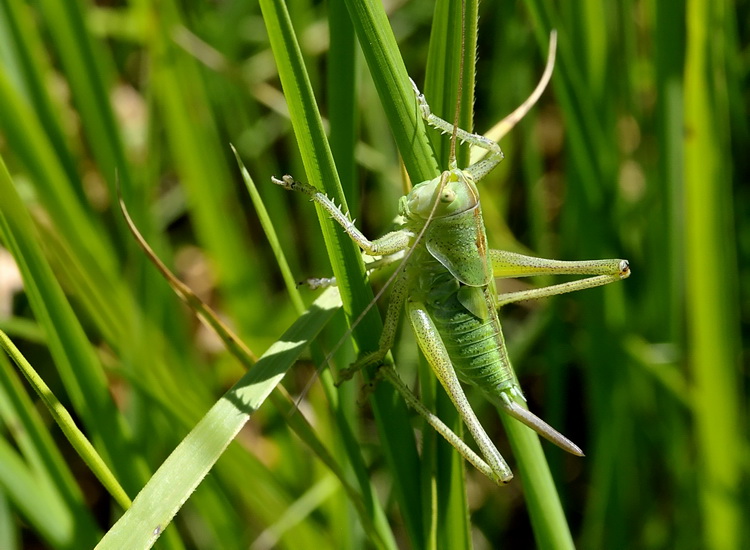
point(199, 155)
point(583, 127)
point(442, 74)
point(342, 105)
point(172, 484)
point(19, 24)
point(710, 295)
point(63, 418)
point(268, 228)
point(89, 75)
point(22, 328)
point(392, 82)
point(545, 510)
point(9, 537)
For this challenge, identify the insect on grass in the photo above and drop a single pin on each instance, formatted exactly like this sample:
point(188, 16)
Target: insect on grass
point(446, 285)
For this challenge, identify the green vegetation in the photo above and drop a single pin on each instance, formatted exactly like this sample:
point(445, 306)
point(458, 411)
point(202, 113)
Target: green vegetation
point(638, 150)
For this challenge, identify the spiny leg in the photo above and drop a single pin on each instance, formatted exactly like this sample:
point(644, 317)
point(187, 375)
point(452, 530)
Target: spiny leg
point(390, 326)
point(493, 155)
point(438, 425)
point(385, 245)
point(509, 264)
point(437, 356)
point(481, 168)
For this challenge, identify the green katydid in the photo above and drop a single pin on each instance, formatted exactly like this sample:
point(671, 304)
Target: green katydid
point(447, 286)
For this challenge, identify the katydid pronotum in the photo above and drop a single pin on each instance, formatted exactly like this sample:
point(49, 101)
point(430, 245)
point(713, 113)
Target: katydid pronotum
point(447, 287)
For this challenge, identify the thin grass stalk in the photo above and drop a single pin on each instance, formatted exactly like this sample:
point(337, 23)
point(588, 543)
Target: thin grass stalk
point(19, 23)
point(89, 73)
point(548, 521)
point(67, 424)
point(343, 116)
point(9, 531)
point(583, 130)
point(342, 104)
point(35, 501)
point(392, 83)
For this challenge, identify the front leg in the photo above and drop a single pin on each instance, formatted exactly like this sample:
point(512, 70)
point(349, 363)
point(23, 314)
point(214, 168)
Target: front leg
point(388, 244)
point(390, 327)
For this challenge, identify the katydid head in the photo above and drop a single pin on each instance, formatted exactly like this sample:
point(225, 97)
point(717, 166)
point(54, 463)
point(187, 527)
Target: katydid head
point(453, 192)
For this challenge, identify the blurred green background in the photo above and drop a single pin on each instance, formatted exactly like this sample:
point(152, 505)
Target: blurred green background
point(638, 150)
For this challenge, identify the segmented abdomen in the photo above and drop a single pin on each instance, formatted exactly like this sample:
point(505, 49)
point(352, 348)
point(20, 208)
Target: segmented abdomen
point(476, 347)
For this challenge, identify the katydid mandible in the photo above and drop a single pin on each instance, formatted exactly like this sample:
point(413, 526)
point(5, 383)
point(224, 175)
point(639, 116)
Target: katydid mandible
point(448, 289)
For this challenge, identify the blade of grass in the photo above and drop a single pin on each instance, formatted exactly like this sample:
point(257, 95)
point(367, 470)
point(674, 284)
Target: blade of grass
point(545, 509)
point(89, 74)
point(19, 24)
point(23, 328)
point(342, 104)
point(392, 82)
point(43, 508)
point(712, 319)
point(268, 228)
point(583, 127)
point(182, 96)
point(179, 475)
point(9, 536)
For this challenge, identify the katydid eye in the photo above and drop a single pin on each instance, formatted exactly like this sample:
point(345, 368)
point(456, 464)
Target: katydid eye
point(448, 195)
